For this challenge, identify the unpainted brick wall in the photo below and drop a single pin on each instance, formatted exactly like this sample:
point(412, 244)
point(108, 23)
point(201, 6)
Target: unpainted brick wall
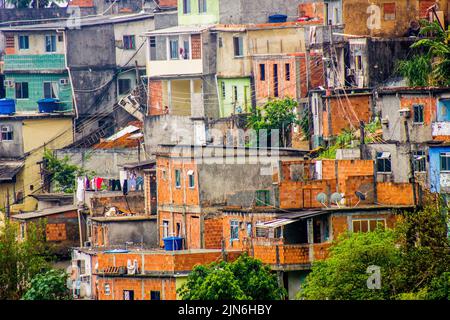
point(395, 193)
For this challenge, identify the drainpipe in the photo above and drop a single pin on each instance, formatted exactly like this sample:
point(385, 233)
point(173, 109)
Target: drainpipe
point(69, 72)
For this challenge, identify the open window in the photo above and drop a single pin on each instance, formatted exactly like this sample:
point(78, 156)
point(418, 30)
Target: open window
point(384, 164)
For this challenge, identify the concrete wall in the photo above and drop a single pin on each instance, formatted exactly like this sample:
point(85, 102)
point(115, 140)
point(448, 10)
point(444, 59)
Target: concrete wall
point(105, 163)
point(232, 184)
point(145, 232)
point(166, 19)
point(136, 28)
point(12, 149)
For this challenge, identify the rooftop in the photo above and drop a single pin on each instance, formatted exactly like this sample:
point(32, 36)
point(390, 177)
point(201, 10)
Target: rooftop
point(44, 213)
point(84, 22)
point(9, 168)
point(180, 30)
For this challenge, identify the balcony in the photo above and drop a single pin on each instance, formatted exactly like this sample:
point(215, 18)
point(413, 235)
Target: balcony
point(175, 67)
point(440, 128)
point(38, 62)
point(290, 256)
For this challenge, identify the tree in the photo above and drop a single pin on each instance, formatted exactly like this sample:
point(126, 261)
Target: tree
point(50, 285)
point(343, 276)
point(62, 172)
point(244, 279)
point(20, 261)
point(275, 114)
point(433, 67)
point(414, 261)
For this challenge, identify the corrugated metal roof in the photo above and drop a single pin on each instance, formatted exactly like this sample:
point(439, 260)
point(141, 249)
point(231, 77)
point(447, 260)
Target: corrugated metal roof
point(43, 213)
point(9, 168)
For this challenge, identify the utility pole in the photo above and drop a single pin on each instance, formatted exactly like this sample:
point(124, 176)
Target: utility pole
point(411, 163)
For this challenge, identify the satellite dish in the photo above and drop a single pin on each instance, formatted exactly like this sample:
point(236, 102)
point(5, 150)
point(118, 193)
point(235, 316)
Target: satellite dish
point(336, 198)
point(322, 198)
point(361, 196)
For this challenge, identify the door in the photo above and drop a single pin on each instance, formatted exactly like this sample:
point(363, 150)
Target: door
point(128, 294)
point(153, 194)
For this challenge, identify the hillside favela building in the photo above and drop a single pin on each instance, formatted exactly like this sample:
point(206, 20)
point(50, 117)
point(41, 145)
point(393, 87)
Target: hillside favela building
point(151, 102)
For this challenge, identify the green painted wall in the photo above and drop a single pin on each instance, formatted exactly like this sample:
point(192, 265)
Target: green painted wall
point(226, 99)
point(194, 17)
point(36, 90)
point(16, 62)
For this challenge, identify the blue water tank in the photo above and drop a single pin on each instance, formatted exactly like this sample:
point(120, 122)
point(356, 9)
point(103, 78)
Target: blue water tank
point(173, 243)
point(277, 18)
point(7, 106)
point(48, 105)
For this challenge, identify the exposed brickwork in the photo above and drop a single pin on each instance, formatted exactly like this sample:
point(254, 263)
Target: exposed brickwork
point(168, 3)
point(135, 203)
point(395, 193)
point(155, 98)
point(55, 232)
point(345, 110)
point(213, 233)
point(141, 288)
point(196, 44)
point(82, 3)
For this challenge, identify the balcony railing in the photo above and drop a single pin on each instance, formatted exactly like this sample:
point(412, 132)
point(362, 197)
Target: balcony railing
point(37, 62)
point(285, 255)
point(440, 128)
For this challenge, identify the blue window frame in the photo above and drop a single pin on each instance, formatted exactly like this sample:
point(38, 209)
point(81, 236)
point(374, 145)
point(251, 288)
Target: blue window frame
point(50, 43)
point(234, 230)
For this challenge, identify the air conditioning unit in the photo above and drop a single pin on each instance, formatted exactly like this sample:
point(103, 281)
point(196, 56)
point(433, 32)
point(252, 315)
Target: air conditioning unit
point(87, 243)
point(64, 81)
point(406, 113)
point(8, 83)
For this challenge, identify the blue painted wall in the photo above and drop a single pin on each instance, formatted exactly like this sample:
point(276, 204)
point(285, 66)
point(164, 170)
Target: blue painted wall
point(435, 167)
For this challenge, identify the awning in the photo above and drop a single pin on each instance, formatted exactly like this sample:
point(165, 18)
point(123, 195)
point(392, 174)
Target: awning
point(275, 223)
point(8, 169)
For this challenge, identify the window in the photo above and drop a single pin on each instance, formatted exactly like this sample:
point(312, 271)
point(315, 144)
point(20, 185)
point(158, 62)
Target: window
point(358, 62)
point(60, 38)
point(186, 6)
point(262, 72)
point(81, 264)
point(50, 90)
point(202, 6)
point(128, 294)
point(389, 11)
point(124, 86)
point(420, 161)
point(107, 289)
point(155, 295)
point(24, 43)
point(235, 94)
point(6, 133)
point(418, 113)
point(367, 225)
point(261, 232)
point(174, 49)
point(152, 45)
point(234, 230)
point(238, 44)
point(287, 72)
point(445, 161)
point(262, 198)
point(165, 228)
point(185, 51)
point(191, 179)
point(222, 85)
point(249, 229)
point(50, 43)
point(177, 178)
point(178, 229)
point(129, 43)
point(384, 162)
point(220, 42)
point(21, 90)
point(275, 80)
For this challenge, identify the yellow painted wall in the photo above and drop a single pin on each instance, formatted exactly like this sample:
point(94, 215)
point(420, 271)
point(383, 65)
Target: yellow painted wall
point(37, 43)
point(35, 133)
point(178, 283)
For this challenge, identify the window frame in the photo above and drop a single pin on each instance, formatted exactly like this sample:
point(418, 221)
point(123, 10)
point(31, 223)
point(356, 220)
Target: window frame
point(447, 156)
point(368, 220)
point(52, 93)
point(107, 289)
point(262, 72)
point(9, 133)
point(52, 44)
point(119, 86)
point(203, 5)
point(21, 90)
point(191, 178)
point(177, 178)
point(165, 227)
point(186, 6)
point(378, 155)
point(27, 42)
point(420, 115)
point(420, 165)
point(234, 230)
point(171, 49)
point(130, 43)
point(287, 72)
point(238, 46)
point(154, 292)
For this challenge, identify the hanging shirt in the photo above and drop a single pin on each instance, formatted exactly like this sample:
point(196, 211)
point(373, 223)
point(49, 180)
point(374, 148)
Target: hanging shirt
point(80, 189)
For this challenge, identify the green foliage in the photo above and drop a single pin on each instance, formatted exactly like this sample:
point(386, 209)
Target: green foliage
point(32, 3)
point(414, 260)
point(50, 285)
point(62, 172)
point(275, 114)
point(343, 141)
point(432, 68)
point(244, 279)
point(343, 276)
point(304, 123)
point(20, 261)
